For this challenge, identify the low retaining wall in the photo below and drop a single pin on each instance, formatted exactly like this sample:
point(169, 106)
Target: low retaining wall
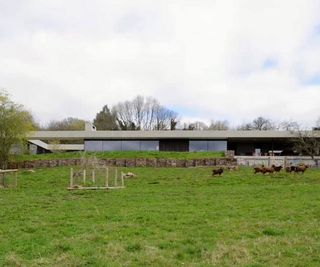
point(276, 160)
point(139, 162)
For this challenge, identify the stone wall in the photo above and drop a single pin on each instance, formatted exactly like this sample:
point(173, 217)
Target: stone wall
point(139, 162)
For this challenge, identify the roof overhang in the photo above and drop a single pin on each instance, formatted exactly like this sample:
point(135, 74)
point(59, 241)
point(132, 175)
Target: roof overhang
point(179, 134)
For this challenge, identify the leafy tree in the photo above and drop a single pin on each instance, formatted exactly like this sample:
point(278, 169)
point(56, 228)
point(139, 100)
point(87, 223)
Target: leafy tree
point(68, 124)
point(106, 120)
point(15, 123)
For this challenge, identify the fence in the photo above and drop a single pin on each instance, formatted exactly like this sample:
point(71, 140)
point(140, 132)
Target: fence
point(276, 160)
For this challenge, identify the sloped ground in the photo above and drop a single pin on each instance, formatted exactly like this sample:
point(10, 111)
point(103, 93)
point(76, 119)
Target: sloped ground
point(164, 217)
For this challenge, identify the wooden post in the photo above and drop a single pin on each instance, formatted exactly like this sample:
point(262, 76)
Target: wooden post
point(122, 182)
point(107, 177)
point(285, 162)
point(269, 161)
point(115, 177)
point(71, 178)
point(4, 180)
point(93, 176)
point(84, 177)
point(15, 179)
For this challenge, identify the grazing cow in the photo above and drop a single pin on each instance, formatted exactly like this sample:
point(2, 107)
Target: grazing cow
point(300, 168)
point(258, 169)
point(218, 171)
point(290, 169)
point(264, 169)
point(296, 169)
point(268, 170)
point(277, 168)
point(232, 168)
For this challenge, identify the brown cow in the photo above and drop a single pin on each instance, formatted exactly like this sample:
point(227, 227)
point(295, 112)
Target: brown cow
point(258, 169)
point(268, 170)
point(290, 169)
point(300, 168)
point(232, 168)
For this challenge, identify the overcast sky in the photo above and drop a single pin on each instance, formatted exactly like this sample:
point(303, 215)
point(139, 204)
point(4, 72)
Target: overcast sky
point(205, 59)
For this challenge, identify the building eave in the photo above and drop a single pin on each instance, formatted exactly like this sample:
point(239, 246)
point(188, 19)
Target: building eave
point(131, 135)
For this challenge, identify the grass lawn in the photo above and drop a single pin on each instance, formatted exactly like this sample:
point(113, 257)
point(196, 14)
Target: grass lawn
point(164, 217)
point(121, 154)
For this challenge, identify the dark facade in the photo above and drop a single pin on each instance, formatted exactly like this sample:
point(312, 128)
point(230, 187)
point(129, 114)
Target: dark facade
point(182, 145)
point(249, 147)
point(242, 142)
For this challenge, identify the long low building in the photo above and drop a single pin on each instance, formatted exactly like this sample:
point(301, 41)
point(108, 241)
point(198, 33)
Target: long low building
point(242, 142)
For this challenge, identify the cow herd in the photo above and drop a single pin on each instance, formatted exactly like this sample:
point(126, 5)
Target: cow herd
point(301, 168)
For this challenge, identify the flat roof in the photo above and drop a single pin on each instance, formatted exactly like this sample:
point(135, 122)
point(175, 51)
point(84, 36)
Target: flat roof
point(178, 134)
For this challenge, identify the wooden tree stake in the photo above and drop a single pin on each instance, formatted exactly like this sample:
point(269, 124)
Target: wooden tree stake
point(84, 177)
point(93, 176)
point(115, 178)
point(71, 177)
point(107, 177)
point(122, 181)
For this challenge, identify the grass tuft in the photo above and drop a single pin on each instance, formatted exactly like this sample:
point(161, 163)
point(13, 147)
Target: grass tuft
point(12, 260)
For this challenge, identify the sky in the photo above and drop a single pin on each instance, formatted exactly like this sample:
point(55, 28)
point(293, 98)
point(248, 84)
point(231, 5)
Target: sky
point(206, 59)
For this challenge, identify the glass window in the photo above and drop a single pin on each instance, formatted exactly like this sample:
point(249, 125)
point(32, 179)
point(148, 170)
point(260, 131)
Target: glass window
point(149, 145)
point(111, 145)
point(217, 145)
point(93, 145)
point(130, 145)
point(198, 146)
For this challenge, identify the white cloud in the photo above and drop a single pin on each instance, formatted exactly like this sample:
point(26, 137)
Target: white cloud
point(69, 58)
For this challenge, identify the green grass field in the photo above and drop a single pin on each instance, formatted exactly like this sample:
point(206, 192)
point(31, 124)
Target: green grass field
point(164, 217)
point(120, 154)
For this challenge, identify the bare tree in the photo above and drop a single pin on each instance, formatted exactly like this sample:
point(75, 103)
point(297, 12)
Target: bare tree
point(151, 106)
point(124, 115)
point(164, 118)
point(308, 143)
point(259, 123)
point(288, 126)
point(317, 126)
point(144, 114)
point(197, 125)
point(138, 109)
point(245, 127)
point(262, 124)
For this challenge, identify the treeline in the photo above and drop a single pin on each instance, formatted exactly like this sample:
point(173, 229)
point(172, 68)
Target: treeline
point(138, 114)
point(146, 113)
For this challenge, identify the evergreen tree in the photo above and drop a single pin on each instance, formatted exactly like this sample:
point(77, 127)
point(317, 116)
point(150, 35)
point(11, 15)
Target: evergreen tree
point(105, 120)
